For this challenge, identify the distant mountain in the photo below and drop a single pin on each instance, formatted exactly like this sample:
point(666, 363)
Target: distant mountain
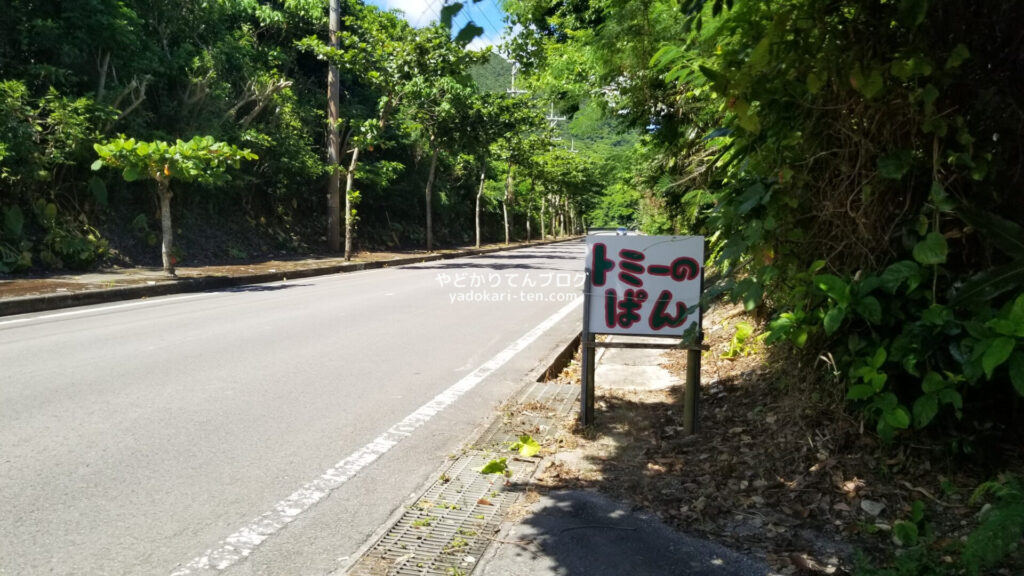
point(495, 75)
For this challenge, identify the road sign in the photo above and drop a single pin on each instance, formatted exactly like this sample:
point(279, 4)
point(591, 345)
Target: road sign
point(644, 286)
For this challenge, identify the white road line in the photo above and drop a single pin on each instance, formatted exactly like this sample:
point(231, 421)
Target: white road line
point(102, 308)
point(242, 543)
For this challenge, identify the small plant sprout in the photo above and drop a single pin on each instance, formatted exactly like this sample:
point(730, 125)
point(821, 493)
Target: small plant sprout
point(423, 522)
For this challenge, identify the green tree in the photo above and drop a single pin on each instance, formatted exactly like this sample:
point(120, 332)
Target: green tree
point(201, 159)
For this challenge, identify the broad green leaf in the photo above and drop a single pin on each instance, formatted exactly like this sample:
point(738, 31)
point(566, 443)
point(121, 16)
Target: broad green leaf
point(917, 511)
point(1017, 372)
point(878, 380)
point(870, 309)
point(131, 173)
point(834, 287)
point(896, 273)
point(887, 402)
point(800, 338)
point(997, 352)
point(925, 409)
point(950, 396)
point(885, 432)
point(718, 80)
point(1006, 327)
point(933, 382)
point(936, 315)
point(895, 164)
point(665, 56)
point(940, 198)
point(1017, 312)
point(932, 250)
point(499, 466)
point(527, 446)
point(761, 54)
point(860, 392)
point(50, 212)
point(753, 196)
point(957, 56)
point(97, 164)
point(834, 319)
point(898, 418)
point(879, 358)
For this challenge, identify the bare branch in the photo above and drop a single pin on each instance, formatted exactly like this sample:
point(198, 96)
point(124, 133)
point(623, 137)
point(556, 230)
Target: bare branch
point(137, 90)
point(263, 99)
point(102, 63)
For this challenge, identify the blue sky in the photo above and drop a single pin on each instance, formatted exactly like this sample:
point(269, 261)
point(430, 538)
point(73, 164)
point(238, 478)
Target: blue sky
point(487, 14)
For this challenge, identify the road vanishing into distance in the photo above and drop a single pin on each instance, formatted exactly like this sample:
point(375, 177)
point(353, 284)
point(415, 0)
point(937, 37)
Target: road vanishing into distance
point(266, 429)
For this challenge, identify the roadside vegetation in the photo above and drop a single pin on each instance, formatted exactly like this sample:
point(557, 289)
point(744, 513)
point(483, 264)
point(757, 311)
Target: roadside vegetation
point(430, 144)
point(856, 168)
point(855, 165)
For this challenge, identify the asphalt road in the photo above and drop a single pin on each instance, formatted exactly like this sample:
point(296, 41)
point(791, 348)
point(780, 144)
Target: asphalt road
point(254, 429)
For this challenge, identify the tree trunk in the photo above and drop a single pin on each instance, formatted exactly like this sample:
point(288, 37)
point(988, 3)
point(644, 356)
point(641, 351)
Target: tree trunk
point(164, 191)
point(505, 203)
point(334, 139)
point(551, 214)
point(565, 216)
point(479, 194)
point(543, 214)
point(561, 217)
point(529, 206)
point(430, 185)
point(349, 181)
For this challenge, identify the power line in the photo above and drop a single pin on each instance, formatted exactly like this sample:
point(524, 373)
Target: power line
point(430, 5)
point(483, 13)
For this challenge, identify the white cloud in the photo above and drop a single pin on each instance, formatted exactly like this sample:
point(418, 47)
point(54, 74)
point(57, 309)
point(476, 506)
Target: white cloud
point(419, 13)
point(481, 42)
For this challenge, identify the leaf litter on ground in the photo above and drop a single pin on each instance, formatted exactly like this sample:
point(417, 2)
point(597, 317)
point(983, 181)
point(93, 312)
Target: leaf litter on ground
point(778, 469)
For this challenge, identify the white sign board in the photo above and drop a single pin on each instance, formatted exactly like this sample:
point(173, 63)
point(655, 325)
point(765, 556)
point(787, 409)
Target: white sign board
point(644, 285)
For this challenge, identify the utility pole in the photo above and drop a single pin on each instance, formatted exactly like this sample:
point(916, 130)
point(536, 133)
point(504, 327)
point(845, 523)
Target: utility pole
point(512, 91)
point(554, 120)
point(334, 138)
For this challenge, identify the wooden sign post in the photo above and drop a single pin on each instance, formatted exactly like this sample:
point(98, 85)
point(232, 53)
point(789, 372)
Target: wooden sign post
point(643, 286)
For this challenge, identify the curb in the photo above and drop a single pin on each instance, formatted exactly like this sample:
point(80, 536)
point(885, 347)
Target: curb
point(553, 363)
point(29, 304)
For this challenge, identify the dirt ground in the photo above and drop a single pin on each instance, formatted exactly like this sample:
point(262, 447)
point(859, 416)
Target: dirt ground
point(778, 469)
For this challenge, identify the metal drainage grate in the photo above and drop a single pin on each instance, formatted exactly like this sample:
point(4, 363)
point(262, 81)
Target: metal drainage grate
point(449, 527)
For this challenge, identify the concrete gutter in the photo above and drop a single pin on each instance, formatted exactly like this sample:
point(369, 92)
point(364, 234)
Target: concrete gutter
point(42, 303)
